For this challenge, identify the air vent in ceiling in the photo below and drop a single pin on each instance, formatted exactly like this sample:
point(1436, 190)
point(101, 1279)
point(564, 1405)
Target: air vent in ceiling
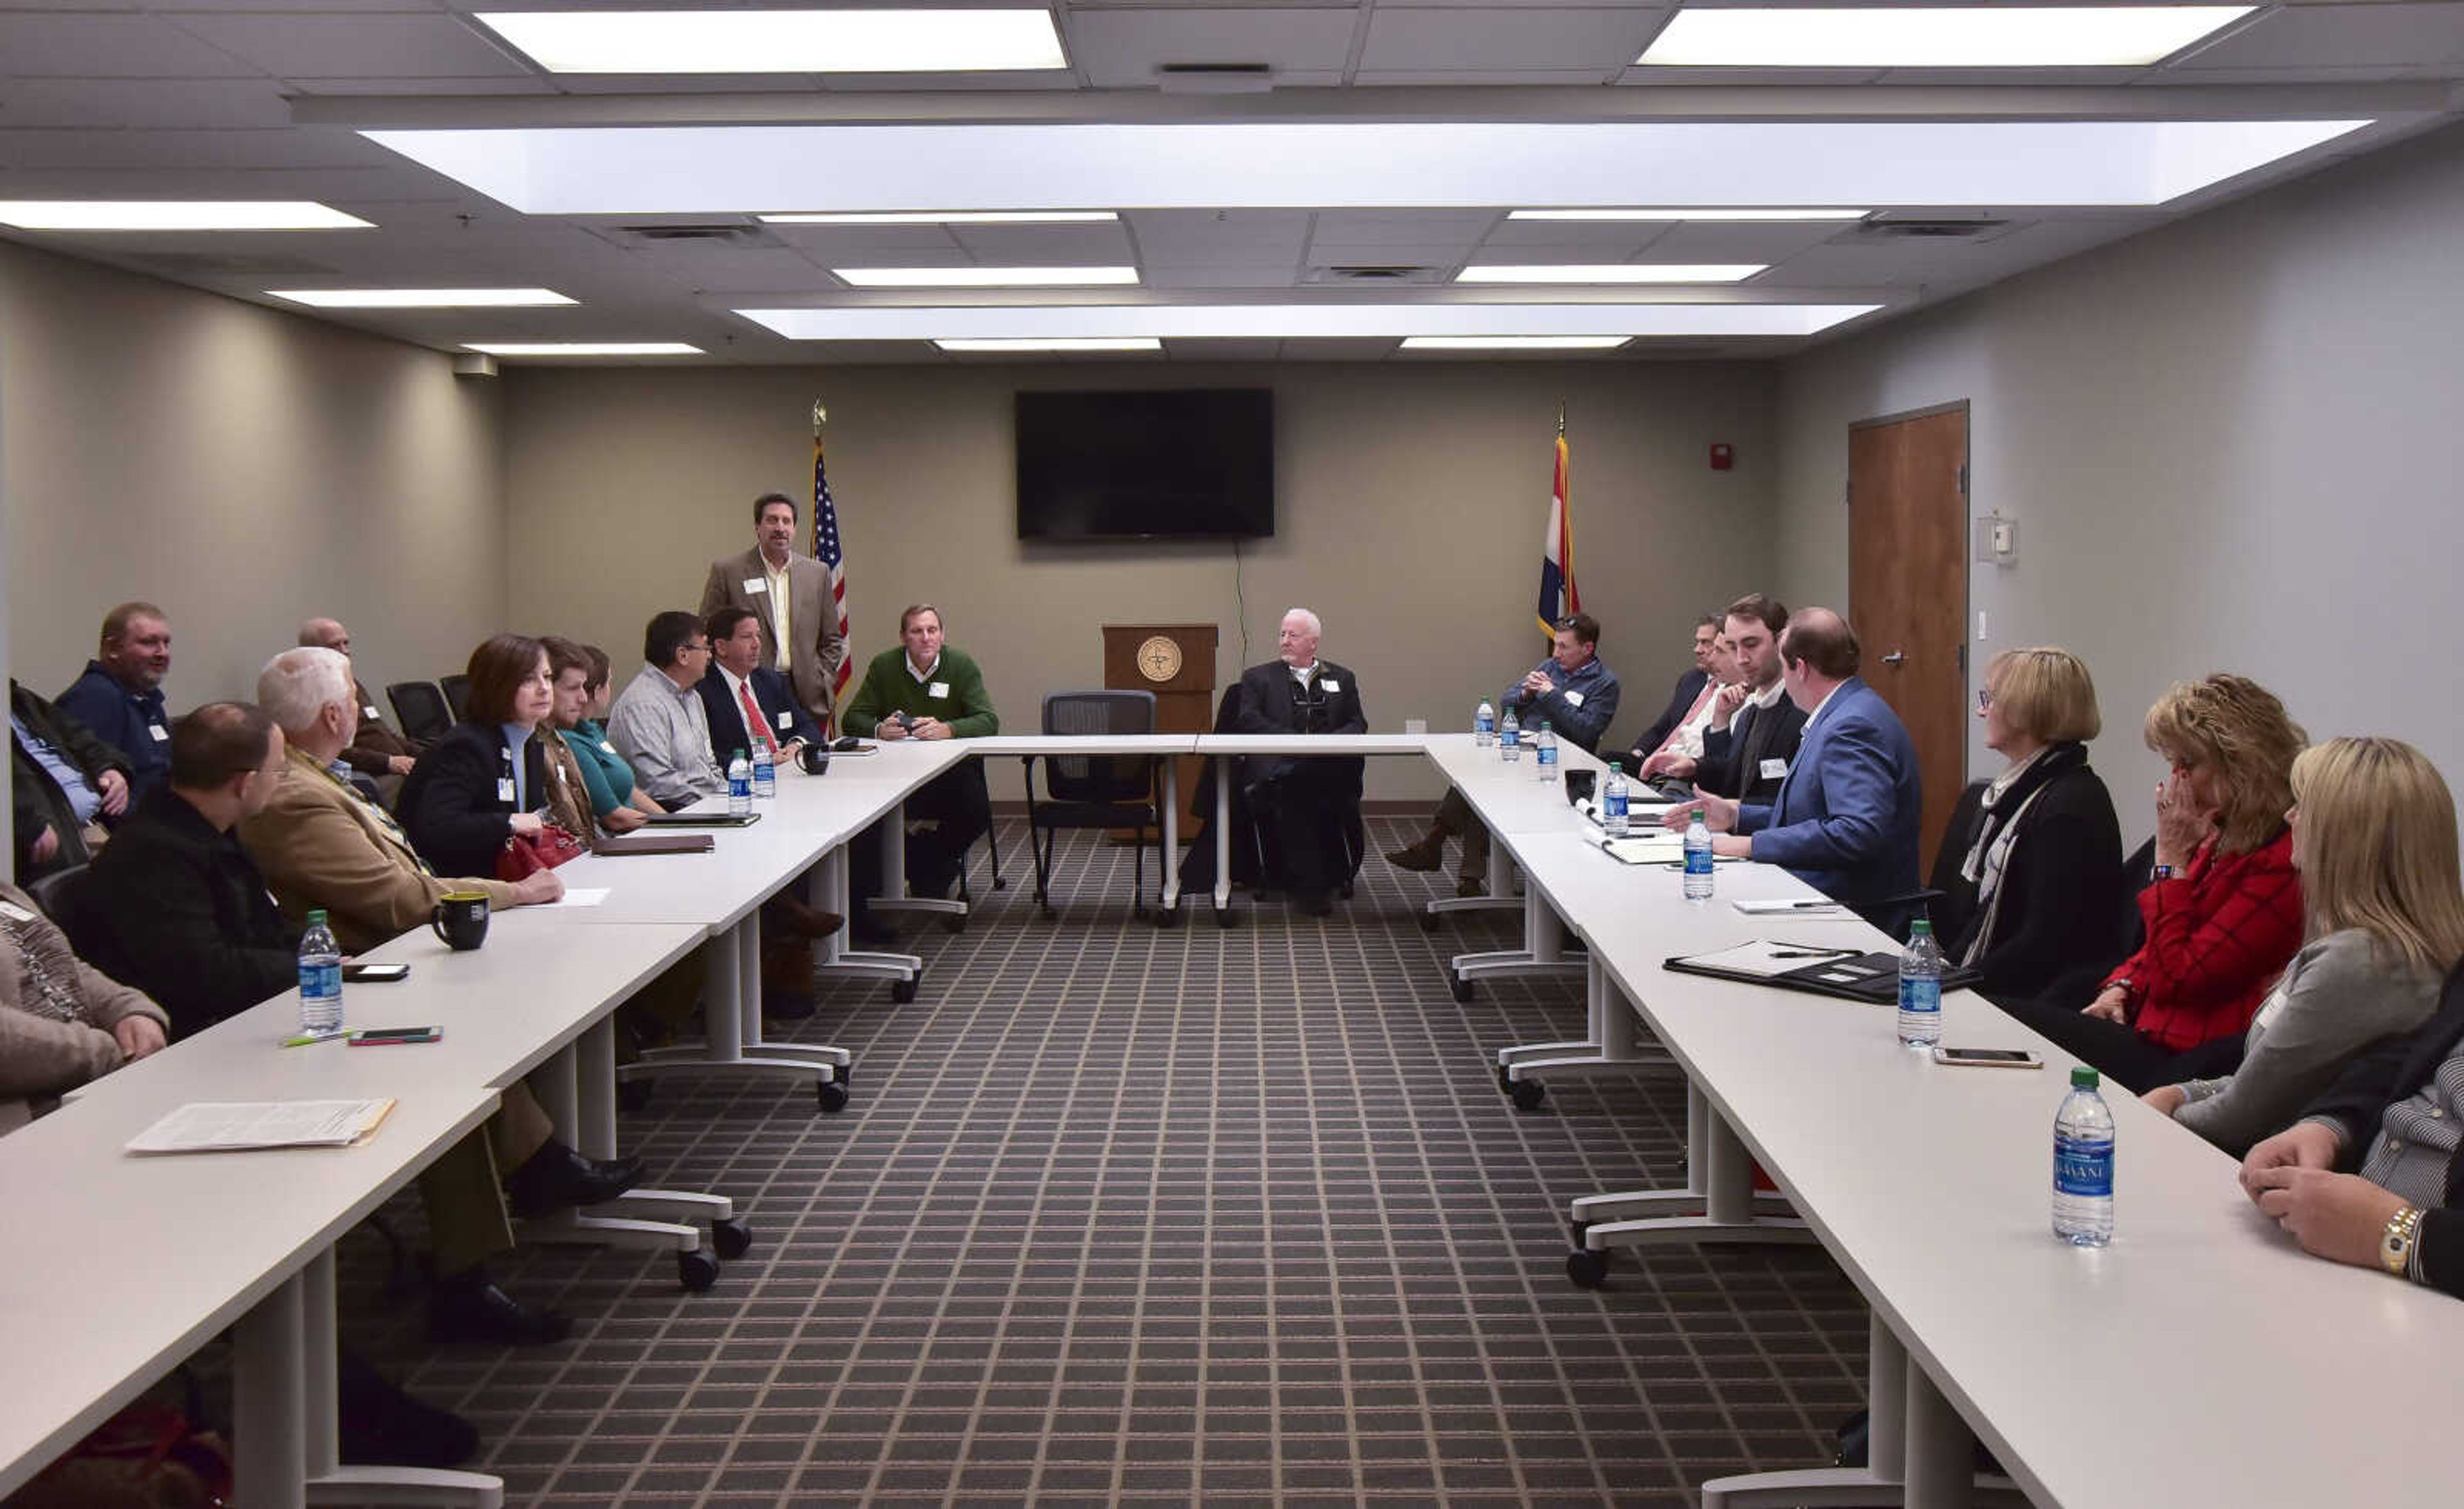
point(1372, 272)
point(717, 234)
point(1214, 78)
point(211, 264)
point(1926, 228)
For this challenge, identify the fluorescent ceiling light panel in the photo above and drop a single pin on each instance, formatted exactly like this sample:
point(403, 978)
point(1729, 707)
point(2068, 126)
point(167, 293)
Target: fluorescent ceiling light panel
point(1515, 343)
point(1688, 214)
point(1615, 272)
point(420, 297)
point(956, 217)
point(168, 214)
point(986, 276)
point(1934, 37)
point(1060, 343)
point(629, 170)
point(1298, 321)
point(582, 348)
point(781, 41)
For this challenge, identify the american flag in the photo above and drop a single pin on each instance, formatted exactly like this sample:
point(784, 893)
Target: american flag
point(828, 551)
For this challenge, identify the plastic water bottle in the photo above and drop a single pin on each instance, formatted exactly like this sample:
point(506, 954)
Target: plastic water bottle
point(1921, 988)
point(1543, 753)
point(1509, 738)
point(739, 787)
point(1484, 724)
point(320, 979)
point(765, 775)
point(2083, 1164)
point(1614, 795)
point(1698, 876)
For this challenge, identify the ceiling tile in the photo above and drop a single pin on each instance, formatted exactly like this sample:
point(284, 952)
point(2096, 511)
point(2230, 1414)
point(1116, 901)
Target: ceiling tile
point(858, 246)
point(381, 86)
point(1199, 237)
point(1122, 49)
point(147, 103)
point(1716, 241)
point(1582, 240)
point(181, 150)
point(1045, 245)
point(1596, 42)
point(2339, 36)
point(1370, 228)
point(1446, 256)
point(39, 46)
point(1217, 275)
point(358, 46)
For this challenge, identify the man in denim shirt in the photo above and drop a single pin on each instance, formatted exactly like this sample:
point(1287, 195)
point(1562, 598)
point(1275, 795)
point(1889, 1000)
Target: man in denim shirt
point(64, 782)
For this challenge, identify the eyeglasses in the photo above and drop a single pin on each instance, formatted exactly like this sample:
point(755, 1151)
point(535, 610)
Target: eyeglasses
point(1983, 698)
point(698, 647)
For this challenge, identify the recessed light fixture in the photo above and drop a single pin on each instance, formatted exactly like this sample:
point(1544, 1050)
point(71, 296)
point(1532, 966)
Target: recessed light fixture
point(1058, 344)
point(582, 348)
point(1221, 166)
point(1688, 214)
point(175, 214)
point(986, 276)
point(420, 297)
point(1615, 272)
point(1934, 37)
point(1297, 322)
point(955, 217)
point(1514, 342)
point(875, 41)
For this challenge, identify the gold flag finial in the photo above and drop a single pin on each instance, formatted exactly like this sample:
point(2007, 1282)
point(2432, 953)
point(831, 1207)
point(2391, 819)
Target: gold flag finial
point(821, 418)
point(1561, 418)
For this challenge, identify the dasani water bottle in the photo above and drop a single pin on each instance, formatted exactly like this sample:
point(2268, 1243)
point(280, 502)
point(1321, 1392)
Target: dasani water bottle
point(1699, 877)
point(1483, 724)
point(1614, 796)
point(320, 979)
point(1509, 738)
point(739, 787)
point(2083, 1164)
point(1921, 988)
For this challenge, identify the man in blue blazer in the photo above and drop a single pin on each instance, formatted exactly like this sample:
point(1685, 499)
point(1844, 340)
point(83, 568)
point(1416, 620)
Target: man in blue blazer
point(1846, 817)
point(735, 672)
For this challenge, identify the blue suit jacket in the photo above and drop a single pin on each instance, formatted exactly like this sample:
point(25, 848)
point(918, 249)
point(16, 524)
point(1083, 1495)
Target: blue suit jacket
point(771, 693)
point(1846, 817)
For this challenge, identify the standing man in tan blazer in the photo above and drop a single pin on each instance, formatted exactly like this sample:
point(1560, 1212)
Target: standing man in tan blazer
point(790, 596)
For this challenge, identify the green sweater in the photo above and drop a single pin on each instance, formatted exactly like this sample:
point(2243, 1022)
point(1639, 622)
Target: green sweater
point(889, 687)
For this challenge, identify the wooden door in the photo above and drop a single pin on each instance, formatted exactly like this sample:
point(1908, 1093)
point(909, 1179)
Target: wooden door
point(1907, 589)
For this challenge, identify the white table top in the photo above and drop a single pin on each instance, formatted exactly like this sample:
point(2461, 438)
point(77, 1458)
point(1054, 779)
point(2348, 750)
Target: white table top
point(1052, 744)
point(2200, 1358)
point(1313, 743)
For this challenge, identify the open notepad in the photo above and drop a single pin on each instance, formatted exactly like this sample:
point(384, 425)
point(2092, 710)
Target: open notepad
point(240, 1126)
point(1654, 848)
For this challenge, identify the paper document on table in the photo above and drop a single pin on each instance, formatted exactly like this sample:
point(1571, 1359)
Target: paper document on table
point(582, 896)
point(1764, 958)
point(1809, 906)
point(238, 1126)
point(1649, 848)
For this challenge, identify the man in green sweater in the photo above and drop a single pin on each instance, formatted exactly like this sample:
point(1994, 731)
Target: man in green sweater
point(924, 689)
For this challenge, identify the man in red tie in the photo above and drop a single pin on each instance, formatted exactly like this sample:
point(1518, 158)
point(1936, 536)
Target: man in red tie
point(747, 702)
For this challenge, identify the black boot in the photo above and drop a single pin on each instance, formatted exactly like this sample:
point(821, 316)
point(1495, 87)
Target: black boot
point(556, 1178)
point(469, 1307)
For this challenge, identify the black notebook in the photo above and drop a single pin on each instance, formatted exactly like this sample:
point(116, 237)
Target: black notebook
point(1846, 973)
point(700, 819)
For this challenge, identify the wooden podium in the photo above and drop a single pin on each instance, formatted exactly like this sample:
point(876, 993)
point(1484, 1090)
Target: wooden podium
point(1176, 663)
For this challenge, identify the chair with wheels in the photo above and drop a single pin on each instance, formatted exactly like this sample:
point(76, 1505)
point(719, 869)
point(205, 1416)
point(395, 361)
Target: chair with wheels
point(421, 710)
point(1095, 791)
point(457, 694)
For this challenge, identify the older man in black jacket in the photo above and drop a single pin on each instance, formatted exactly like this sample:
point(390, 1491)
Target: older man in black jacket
point(1312, 805)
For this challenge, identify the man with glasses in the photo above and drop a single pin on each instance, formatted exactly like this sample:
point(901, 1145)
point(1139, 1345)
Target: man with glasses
point(658, 722)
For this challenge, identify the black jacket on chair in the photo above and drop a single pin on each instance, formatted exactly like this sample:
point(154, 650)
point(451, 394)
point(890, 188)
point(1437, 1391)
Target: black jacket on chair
point(1313, 802)
point(450, 807)
point(1732, 757)
point(2385, 1073)
point(2061, 891)
point(1681, 701)
point(180, 912)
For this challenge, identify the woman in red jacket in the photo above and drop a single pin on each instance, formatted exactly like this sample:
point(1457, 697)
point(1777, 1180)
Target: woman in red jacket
point(2223, 910)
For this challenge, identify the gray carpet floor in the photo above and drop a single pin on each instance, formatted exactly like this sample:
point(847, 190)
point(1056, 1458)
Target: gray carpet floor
point(1126, 1215)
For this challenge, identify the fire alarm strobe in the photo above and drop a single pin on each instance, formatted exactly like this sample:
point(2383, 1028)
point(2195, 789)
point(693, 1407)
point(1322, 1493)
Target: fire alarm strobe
point(1722, 457)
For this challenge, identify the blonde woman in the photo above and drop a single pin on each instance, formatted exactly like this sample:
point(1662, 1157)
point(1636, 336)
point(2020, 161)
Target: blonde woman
point(2222, 909)
point(2374, 838)
point(2032, 880)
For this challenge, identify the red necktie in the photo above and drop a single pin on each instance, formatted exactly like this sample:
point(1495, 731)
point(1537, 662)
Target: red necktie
point(753, 716)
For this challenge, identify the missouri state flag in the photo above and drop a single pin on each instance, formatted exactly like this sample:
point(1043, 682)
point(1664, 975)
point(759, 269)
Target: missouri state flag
point(1557, 597)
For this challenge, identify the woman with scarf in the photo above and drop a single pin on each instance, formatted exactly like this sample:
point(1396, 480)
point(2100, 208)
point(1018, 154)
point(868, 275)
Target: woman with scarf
point(2036, 850)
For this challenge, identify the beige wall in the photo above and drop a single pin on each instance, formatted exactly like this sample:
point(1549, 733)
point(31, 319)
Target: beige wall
point(241, 467)
point(2230, 444)
point(1411, 500)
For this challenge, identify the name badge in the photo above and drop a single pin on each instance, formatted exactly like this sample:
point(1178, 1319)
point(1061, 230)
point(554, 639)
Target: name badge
point(785, 718)
point(504, 791)
point(610, 748)
point(1573, 699)
point(756, 583)
point(937, 691)
point(371, 714)
point(1774, 770)
point(161, 733)
point(15, 912)
point(1329, 684)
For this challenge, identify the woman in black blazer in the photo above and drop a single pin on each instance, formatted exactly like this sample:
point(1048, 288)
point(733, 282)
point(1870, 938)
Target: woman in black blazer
point(486, 779)
point(2030, 870)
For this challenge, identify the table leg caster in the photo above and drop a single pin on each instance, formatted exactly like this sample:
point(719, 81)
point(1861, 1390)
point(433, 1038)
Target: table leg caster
point(902, 992)
point(730, 1240)
point(697, 1271)
point(832, 1095)
point(1587, 1269)
point(1461, 986)
point(1527, 1094)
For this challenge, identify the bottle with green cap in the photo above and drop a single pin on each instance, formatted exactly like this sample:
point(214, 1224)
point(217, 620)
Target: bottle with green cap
point(2083, 1164)
point(320, 979)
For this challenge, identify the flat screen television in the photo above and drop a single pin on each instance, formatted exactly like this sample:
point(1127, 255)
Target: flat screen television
point(1179, 463)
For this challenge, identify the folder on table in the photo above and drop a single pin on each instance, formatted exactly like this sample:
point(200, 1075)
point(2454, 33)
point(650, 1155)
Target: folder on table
point(654, 844)
point(1845, 973)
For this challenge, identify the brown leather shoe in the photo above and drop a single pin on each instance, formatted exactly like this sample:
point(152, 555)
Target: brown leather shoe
point(1470, 885)
point(1425, 856)
point(805, 920)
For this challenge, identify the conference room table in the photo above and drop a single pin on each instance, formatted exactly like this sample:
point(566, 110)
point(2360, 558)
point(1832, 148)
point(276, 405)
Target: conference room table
point(2199, 1358)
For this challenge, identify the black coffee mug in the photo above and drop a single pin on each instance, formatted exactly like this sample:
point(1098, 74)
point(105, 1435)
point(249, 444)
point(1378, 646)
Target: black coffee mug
point(1579, 786)
point(815, 758)
point(461, 919)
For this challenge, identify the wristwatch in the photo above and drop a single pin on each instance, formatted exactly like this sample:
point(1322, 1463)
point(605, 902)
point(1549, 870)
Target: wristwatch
point(2162, 873)
point(2395, 1243)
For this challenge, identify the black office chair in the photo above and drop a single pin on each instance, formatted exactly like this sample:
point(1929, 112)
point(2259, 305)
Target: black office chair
point(56, 893)
point(420, 709)
point(457, 694)
point(1095, 791)
point(992, 845)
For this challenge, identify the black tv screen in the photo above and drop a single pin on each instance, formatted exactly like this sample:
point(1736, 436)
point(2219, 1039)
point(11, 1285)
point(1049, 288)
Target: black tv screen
point(1130, 466)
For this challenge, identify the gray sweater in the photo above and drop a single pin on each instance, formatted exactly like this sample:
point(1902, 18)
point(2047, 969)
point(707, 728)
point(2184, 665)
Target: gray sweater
point(2340, 993)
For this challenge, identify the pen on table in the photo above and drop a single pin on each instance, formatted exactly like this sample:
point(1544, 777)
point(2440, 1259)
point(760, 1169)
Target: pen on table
point(307, 1037)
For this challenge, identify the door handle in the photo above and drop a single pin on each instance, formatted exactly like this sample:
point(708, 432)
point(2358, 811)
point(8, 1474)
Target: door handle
point(1896, 658)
